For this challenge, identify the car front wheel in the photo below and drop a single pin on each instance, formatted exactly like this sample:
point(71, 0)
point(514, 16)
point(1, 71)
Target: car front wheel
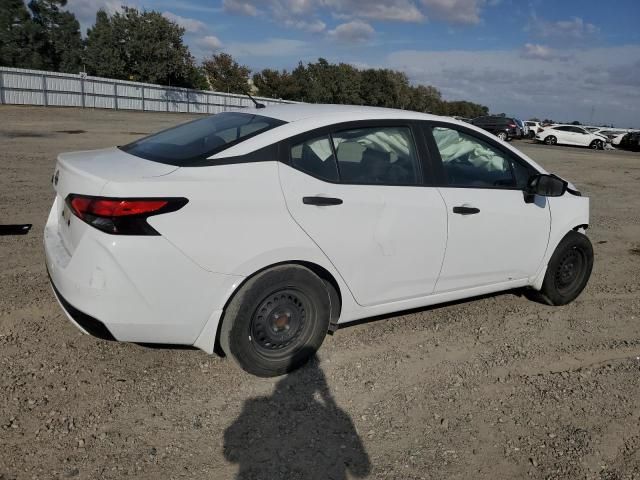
point(502, 136)
point(551, 140)
point(596, 145)
point(276, 321)
point(568, 270)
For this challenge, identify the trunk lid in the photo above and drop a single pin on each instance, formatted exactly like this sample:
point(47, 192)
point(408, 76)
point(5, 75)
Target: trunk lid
point(87, 173)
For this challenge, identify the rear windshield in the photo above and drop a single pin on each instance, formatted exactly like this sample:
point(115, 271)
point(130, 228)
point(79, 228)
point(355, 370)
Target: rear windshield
point(190, 143)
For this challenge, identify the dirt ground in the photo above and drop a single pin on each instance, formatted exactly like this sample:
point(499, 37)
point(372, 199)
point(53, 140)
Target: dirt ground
point(492, 388)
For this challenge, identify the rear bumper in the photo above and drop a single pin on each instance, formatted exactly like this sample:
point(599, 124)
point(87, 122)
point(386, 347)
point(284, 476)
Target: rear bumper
point(86, 323)
point(134, 289)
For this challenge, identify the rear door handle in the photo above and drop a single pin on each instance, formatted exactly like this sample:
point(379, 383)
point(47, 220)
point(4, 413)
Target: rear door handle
point(321, 201)
point(466, 210)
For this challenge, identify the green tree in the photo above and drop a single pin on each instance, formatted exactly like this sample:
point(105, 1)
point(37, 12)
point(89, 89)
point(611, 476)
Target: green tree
point(277, 84)
point(55, 36)
point(14, 34)
point(225, 74)
point(139, 46)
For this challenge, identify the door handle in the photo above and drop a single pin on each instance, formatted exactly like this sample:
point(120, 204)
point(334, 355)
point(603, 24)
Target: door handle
point(321, 201)
point(466, 210)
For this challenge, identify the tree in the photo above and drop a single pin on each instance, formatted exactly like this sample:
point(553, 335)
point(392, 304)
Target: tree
point(55, 36)
point(576, 122)
point(277, 84)
point(14, 33)
point(224, 74)
point(139, 46)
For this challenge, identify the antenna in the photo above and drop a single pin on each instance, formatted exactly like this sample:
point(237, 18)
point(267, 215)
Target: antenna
point(257, 104)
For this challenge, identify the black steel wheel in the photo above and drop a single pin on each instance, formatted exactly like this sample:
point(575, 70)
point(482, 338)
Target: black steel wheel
point(569, 270)
point(276, 320)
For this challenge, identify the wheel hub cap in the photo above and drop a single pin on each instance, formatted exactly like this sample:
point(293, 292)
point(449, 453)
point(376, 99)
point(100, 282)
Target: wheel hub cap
point(279, 320)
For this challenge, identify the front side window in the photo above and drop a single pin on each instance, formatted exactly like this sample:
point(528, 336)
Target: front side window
point(195, 141)
point(377, 155)
point(315, 157)
point(471, 162)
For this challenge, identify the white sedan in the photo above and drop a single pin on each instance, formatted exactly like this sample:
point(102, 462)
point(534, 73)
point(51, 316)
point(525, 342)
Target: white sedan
point(255, 233)
point(571, 135)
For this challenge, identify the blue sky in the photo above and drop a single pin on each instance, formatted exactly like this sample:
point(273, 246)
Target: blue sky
point(566, 60)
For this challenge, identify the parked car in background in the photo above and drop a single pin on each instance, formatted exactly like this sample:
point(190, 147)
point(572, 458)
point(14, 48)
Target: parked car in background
point(257, 232)
point(534, 127)
point(505, 128)
point(524, 129)
point(630, 141)
point(571, 135)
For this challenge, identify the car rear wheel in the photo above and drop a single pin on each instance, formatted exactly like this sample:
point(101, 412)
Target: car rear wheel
point(276, 321)
point(568, 270)
point(551, 140)
point(503, 136)
point(596, 145)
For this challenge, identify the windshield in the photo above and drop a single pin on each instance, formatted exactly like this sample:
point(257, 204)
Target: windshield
point(190, 143)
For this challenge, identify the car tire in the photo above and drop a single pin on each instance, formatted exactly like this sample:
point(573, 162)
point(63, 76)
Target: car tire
point(276, 321)
point(596, 145)
point(568, 271)
point(550, 140)
point(502, 136)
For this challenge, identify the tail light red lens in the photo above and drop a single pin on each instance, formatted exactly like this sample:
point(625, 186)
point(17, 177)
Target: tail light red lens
point(122, 216)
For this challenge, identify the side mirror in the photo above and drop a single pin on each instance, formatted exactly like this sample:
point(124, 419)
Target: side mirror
point(545, 186)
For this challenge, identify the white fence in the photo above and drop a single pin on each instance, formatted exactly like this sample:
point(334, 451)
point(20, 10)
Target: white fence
point(20, 86)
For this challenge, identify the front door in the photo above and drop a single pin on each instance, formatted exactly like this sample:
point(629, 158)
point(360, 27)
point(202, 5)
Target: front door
point(358, 194)
point(493, 235)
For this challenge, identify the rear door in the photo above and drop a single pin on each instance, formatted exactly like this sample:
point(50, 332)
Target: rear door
point(493, 235)
point(358, 191)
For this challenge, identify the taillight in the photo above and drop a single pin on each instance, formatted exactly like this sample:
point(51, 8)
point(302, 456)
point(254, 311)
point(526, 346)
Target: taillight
point(122, 216)
point(512, 125)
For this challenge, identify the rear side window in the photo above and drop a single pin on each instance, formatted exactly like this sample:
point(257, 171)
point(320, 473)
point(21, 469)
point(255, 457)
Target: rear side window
point(315, 157)
point(191, 142)
point(377, 155)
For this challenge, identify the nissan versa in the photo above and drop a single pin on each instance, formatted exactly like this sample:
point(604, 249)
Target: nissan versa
point(255, 233)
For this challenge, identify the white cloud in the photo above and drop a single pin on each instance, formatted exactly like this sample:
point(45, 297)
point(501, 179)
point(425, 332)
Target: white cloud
point(599, 78)
point(536, 51)
point(313, 26)
point(352, 32)
point(191, 25)
point(454, 11)
point(272, 47)
point(240, 7)
point(574, 29)
point(210, 42)
point(449, 11)
point(389, 10)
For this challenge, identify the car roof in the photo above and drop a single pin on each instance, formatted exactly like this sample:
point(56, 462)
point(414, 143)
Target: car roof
point(299, 111)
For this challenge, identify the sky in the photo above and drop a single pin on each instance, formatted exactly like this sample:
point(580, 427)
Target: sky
point(565, 60)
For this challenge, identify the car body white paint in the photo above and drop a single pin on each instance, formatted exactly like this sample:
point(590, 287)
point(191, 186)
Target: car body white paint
point(388, 248)
point(578, 137)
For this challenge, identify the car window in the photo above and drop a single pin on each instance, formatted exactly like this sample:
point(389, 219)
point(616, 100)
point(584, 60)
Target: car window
point(578, 130)
point(471, 162)
point(195, 141)
point(315, 157)
point(563, 129)
point(380, 155)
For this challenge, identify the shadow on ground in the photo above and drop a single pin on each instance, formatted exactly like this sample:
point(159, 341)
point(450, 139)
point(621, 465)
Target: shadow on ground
point(298, 432)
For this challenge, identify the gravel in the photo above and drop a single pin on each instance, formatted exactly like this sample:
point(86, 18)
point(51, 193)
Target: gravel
point(496, 387)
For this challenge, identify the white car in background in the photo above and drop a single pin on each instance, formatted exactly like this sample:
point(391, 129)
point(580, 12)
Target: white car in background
point(255, 233)
point(534, 127)
point(571, 135)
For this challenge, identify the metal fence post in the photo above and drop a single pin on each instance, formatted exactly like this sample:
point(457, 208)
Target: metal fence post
point(44, 90)
point(143, 98)
point(82, 91)
point(115, 95)
point(1, 87)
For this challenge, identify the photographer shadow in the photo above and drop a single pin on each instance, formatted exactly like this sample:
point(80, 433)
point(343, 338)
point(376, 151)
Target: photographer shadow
point(298, 432)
